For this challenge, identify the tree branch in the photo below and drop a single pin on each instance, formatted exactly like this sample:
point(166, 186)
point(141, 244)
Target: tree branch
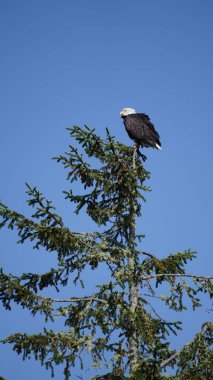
point(175, 275)
point(167, 361)
point(176, 354)
point(147, 254)
point(81, 299)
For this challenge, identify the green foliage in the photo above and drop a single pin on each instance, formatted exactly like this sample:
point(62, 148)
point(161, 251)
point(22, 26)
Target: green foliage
point(118, 325)
point(196, 358)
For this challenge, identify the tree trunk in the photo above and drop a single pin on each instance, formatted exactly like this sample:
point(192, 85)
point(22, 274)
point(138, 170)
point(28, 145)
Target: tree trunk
point(133, 298)
point(133, 291)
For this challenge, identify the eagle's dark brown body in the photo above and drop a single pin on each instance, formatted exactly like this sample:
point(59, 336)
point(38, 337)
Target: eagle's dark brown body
point(141, 130)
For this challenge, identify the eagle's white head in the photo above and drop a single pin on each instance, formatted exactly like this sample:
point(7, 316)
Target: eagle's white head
point(127, 111)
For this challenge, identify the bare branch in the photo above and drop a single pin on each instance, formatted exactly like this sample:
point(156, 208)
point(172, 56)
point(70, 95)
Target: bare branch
point(150, 295)
point(81, 299)
point(167, 361)
point(175, 275)
point(147, 254)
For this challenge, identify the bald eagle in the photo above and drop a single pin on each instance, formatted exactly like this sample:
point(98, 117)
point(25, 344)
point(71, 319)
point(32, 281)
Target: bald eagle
point(140, 129)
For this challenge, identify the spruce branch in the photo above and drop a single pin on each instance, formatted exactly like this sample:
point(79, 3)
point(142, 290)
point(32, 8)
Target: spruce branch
point(201, 338)
point(75, 299)
point(174, 275)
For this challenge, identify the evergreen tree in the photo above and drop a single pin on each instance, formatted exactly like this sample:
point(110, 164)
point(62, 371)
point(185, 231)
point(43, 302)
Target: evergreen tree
point(118, 325)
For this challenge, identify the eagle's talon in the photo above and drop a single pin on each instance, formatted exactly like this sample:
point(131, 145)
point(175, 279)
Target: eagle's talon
point(144, 158)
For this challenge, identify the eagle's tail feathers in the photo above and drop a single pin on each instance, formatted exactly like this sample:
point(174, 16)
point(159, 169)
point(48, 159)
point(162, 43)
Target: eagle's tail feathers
point(158, 146)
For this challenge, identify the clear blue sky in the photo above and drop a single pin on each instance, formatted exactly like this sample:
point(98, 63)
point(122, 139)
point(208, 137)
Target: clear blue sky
point(80, 62)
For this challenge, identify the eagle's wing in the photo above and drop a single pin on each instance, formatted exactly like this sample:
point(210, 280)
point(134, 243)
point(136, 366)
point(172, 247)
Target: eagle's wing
point(141, 129)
